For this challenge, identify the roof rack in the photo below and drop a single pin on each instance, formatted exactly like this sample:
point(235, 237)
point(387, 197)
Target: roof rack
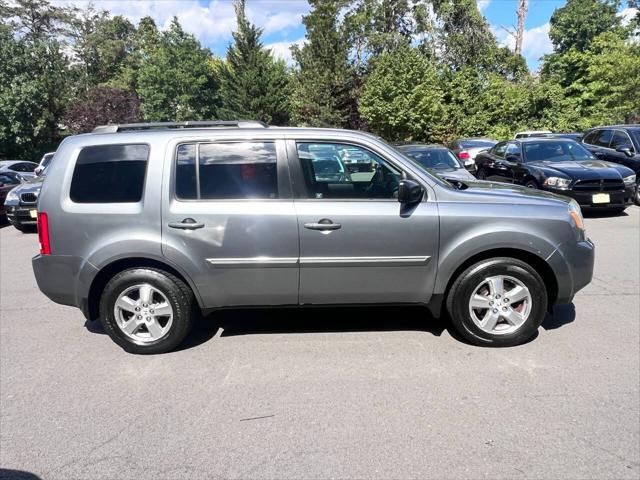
point(128, 127)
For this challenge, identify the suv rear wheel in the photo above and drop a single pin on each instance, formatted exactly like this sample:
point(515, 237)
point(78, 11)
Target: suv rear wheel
point(498, 302)
point(146, 310)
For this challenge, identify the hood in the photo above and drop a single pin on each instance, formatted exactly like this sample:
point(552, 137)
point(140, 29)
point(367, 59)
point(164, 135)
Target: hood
point(461, 174)
point(509, 192)
point(584, 169)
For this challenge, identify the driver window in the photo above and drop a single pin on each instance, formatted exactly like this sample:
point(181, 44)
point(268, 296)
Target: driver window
point(513, 149)
point(341, 171)
point(499, 150)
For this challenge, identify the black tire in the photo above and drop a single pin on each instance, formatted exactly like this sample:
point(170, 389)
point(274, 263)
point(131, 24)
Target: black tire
point(175, 290)
point(531, 184)
point(460, 294)
point(481, 174)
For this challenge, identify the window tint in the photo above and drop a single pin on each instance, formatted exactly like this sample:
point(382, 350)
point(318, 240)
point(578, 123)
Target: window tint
point(109, 174)
point(23, 167)
point(438, 158)
point(233, 170)
point(8, 179)
point(603, 138)
point(621, 140)
point(560, 151)
point(499, 149)
point(338, 171)
point(590, 137)
point(513, 149)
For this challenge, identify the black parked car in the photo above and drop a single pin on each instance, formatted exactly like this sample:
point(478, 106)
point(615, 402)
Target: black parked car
point(619, 144)
point(561, 166)
point(440, 160)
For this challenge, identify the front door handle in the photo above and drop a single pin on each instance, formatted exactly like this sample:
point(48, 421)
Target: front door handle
point(324, 225)
point(187, 224)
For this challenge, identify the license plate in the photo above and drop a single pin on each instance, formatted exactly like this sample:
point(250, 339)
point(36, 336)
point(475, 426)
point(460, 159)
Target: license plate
point(33, 213)
point(601, 198)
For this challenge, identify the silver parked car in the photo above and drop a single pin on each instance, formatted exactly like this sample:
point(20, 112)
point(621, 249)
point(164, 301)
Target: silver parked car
point(144, 225)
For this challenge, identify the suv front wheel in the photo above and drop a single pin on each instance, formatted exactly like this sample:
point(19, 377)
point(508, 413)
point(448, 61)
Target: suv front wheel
point(498, 302)
point(146, 310)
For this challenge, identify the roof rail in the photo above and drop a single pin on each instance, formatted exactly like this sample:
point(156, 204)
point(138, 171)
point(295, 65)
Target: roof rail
point(124, 127)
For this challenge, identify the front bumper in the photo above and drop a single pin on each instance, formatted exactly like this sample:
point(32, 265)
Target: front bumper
point(22, 214)
point(617, 199)
point(573, 266)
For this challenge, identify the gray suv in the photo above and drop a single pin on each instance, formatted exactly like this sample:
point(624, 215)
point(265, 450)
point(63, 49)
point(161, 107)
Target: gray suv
point(146, 226)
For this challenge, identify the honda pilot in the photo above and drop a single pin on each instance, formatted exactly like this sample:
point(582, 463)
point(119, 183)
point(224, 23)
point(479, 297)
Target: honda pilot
point(147, 226)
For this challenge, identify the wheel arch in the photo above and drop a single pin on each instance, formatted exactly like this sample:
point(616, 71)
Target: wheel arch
point(535, 261)
point(100, 280)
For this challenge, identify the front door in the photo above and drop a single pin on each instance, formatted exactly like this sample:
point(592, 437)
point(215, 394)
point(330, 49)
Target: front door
point(358, 244)
point(229, 221)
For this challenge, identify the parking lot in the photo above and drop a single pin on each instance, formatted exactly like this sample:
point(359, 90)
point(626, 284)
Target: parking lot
point(326, 393)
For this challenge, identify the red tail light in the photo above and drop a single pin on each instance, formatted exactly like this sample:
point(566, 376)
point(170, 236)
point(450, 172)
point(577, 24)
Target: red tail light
point(463, 155)
point(43, 233)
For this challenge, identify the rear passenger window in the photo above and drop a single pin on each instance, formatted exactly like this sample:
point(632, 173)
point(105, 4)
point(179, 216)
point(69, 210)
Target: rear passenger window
point(109, 174)
point(218, 171)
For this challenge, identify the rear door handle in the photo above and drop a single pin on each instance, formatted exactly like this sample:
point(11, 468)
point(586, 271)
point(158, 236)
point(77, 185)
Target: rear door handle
point(187, 224)
point(324, 225)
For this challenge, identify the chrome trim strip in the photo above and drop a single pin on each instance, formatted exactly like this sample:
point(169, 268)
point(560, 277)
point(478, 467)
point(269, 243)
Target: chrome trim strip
point(252, 262)
point(363, 261)
point(257, 262)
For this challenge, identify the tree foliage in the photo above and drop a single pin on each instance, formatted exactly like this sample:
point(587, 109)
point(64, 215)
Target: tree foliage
point(101, 106)
point(323, 82)
point(252, 84)
point(176, 79)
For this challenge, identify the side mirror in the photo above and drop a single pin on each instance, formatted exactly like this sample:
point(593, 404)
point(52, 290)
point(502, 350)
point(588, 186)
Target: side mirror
point(410, 191)
point(626, 150)
point(38, 170)
point(513, 158)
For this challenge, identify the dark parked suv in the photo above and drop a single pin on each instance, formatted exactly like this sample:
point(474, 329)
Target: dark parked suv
point(143, 225)
point(619, 144)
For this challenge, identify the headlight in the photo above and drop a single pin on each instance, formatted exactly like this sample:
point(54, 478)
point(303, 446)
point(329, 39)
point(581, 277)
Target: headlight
point(630, 180)
point(558, 183)
point(12, 196)
point(576, 215)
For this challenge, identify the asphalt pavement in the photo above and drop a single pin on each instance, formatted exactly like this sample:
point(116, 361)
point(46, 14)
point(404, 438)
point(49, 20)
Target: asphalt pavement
point(325, 393)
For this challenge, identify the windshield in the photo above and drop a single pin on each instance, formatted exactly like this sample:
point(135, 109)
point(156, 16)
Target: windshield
point(417, 164)
point(435, 158)
point(560, 151)
point(477, 143)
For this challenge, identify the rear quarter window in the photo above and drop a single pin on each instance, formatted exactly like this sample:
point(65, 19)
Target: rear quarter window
point(110, 174)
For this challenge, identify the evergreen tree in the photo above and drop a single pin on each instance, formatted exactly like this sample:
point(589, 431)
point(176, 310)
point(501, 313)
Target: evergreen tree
point(323, 82)
point(253, 85)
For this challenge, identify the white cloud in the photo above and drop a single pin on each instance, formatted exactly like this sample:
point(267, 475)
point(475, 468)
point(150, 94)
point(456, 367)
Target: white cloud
point(283, 49)
point(209, 22)
point(483, 4)
point(535, 43)
point(627, 15)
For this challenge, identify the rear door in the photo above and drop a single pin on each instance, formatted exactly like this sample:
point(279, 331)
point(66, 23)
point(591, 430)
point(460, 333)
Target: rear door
point(358, 244)
point(229, 220)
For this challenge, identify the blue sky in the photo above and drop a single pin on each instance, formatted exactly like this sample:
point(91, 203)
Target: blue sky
point(212, 21)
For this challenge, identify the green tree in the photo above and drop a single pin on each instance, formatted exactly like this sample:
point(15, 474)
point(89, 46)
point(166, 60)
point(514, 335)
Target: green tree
point(101, 47)
point(402, 98)
point(176, 79)
point(33, 90)
point(323, 81)
point(253, 85)
point(579, 22)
